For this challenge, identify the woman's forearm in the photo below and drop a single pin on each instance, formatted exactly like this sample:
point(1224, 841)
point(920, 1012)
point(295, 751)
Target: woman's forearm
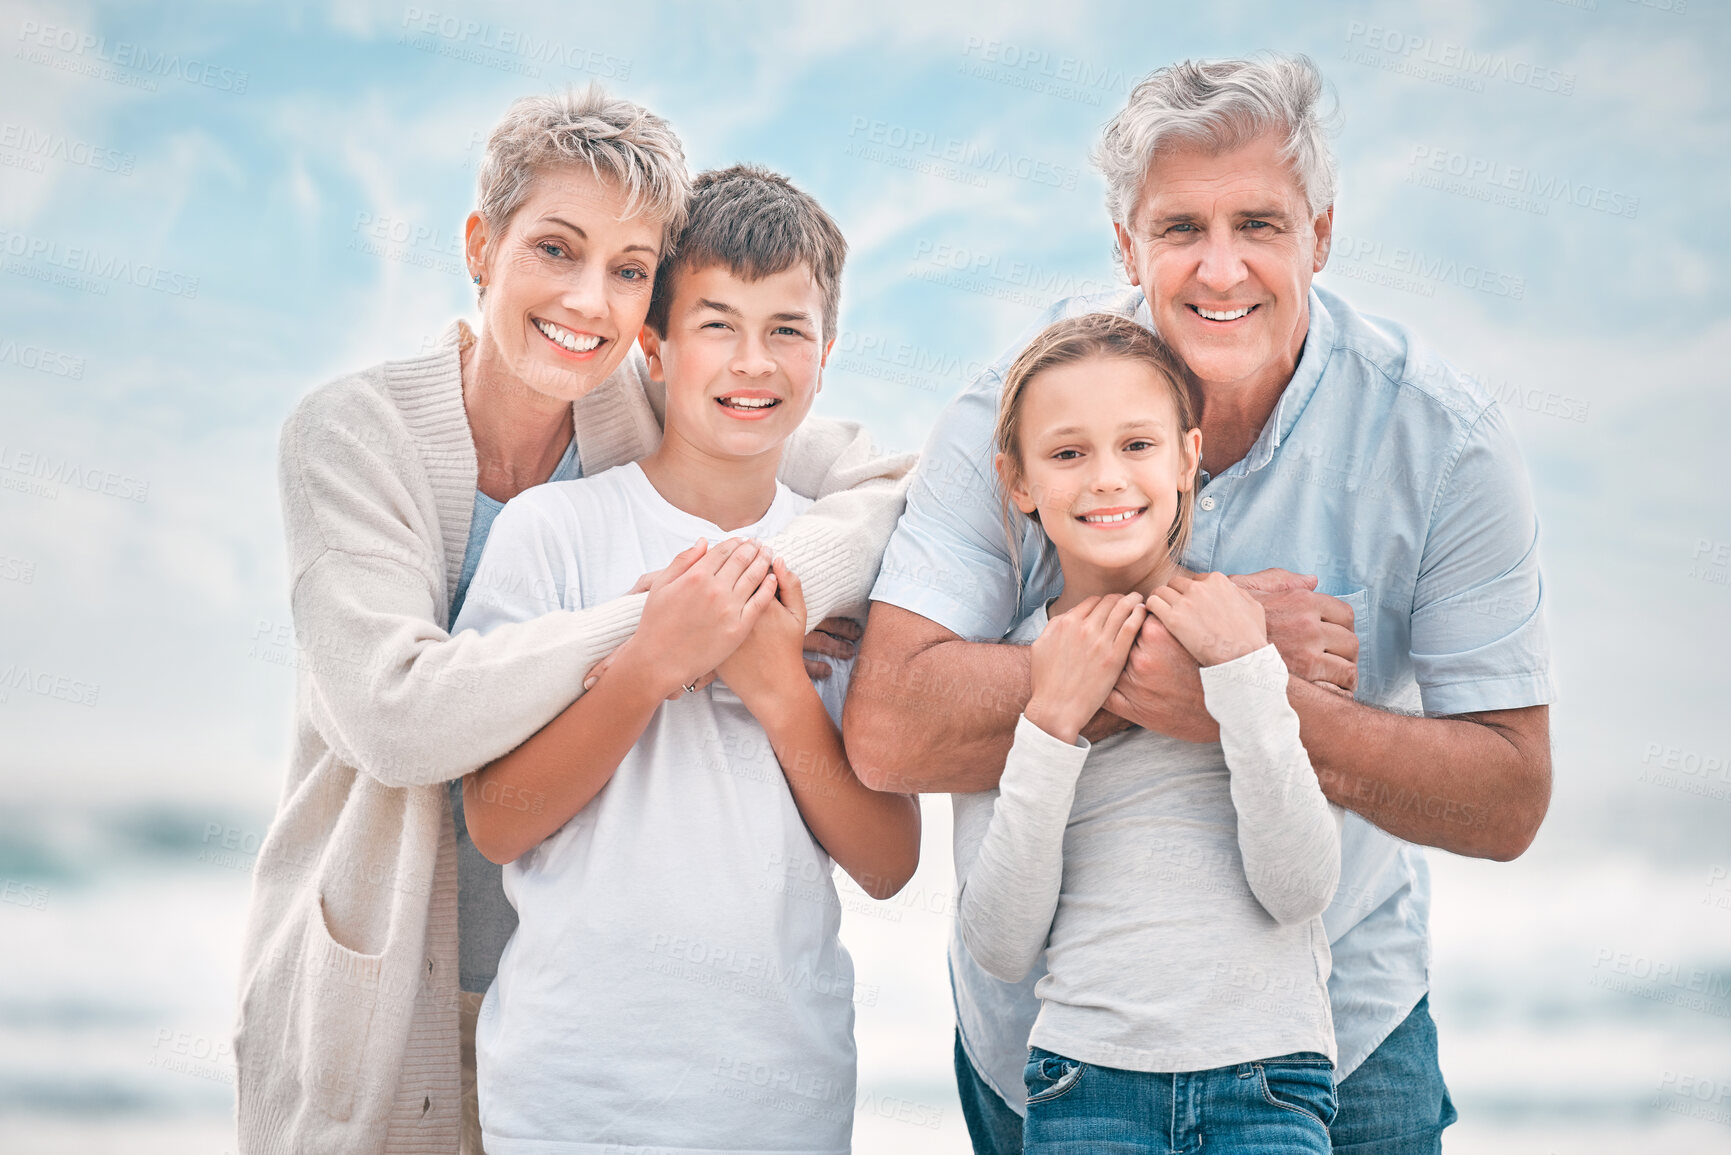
point(514, 803)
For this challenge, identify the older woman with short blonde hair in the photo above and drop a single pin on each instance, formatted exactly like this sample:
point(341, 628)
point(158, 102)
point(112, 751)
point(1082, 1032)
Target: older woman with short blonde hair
point(372, 921)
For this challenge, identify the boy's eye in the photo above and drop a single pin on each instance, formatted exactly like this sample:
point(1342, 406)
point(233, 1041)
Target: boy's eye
point(788, 331)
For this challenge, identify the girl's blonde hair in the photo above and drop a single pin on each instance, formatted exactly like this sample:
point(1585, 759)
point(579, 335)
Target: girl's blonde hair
point(1065, 343)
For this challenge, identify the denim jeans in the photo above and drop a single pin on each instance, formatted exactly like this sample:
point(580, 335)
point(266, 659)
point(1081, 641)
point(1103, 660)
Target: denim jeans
point(993, 1127)
point(1278, 1106)
point(1395, 1102)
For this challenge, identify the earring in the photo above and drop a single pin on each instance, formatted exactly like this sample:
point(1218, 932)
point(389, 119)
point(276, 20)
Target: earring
point(477, 278)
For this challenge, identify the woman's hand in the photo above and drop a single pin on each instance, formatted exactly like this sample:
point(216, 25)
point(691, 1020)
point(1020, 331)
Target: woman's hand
point(1211, 617)
point(770, 658)
point(700, 608)
point(1076, 661)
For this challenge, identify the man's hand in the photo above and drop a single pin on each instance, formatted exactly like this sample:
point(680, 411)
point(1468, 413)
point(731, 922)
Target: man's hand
point(1312, 631)
point(1161, 688)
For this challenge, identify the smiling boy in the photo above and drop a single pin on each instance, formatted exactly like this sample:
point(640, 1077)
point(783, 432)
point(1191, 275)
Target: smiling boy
point(662, 961)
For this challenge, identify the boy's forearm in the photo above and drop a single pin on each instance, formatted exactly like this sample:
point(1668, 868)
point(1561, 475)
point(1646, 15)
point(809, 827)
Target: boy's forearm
point(511, 805)
point(874, 836)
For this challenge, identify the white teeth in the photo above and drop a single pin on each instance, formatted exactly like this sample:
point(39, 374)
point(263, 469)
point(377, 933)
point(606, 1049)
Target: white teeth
point(565, 338)
point(748, 402)
point(1233, 316)
point(1110, 518)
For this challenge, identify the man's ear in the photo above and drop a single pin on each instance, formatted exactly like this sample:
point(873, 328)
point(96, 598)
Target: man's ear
point(651, 343)
point(475, 237)
point(1126, 251)
point(1014, 484)
point(1324, 239)
point(1193, 462)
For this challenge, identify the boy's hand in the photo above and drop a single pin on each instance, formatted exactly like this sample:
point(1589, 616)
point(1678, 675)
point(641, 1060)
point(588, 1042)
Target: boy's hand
point(769, 659)
point(1211, 617)
point(700, 608)
point(1076, 661)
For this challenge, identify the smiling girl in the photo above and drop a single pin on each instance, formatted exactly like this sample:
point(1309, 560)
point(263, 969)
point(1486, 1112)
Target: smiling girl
point(1175, 888)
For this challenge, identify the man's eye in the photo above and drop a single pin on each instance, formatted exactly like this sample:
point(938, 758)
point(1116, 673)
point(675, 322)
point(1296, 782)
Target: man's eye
point(1255, 224)
point(1180, 228)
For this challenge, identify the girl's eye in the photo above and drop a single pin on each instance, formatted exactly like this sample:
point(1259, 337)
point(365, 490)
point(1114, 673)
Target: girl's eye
point(1066, 454)
point(1139, 443)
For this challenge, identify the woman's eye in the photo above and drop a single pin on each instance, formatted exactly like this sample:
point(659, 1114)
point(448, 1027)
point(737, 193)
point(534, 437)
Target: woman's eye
point(551, 249)
point(633, 273)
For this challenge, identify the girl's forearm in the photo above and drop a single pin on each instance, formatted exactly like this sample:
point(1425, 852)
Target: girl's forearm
point(874, 836)
point(514, 803)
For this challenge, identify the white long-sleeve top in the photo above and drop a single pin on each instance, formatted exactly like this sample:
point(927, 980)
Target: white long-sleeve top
point(1176, 888)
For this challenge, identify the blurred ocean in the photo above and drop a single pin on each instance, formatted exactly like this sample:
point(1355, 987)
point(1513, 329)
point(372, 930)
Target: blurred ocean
point(1584, 1006)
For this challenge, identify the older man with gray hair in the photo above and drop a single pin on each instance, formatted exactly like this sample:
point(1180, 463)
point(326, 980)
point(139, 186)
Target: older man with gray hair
point(1335, 446)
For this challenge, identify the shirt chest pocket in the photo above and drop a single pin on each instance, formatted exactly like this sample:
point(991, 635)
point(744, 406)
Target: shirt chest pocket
point(1363, 625)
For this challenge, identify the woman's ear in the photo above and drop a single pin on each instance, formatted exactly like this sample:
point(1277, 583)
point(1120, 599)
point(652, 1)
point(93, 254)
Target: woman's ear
point(651, 343)
point(475, 237)
point(1192, 460)
point(1014, 483)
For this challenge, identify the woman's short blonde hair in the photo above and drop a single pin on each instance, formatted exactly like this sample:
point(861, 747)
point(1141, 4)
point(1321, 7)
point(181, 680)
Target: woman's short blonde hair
point(620, 142)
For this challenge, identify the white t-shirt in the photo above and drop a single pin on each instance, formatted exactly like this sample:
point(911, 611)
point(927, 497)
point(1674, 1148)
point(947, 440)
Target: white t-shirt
point(676, 981)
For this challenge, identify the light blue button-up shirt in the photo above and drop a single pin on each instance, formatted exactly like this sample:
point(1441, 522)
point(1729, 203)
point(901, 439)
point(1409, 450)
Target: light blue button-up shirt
point(1382, 470)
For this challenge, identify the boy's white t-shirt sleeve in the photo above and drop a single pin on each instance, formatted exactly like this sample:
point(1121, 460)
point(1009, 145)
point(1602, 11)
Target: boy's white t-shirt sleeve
point(525, 570)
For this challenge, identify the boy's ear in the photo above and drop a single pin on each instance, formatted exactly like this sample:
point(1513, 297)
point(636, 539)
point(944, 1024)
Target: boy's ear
point(823, 363)
point(1015, 486)
point(651, 343)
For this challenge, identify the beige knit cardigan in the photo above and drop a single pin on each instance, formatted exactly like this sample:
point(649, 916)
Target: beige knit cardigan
point(346, 1040)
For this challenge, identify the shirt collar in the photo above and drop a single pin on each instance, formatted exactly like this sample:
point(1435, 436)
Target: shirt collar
point(1312, 360)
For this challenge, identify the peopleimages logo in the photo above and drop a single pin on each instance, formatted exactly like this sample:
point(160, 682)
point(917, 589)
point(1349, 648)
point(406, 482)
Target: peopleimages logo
point(1414, 50)
point(1408, 262)
point(92, 262)
point(87, 46)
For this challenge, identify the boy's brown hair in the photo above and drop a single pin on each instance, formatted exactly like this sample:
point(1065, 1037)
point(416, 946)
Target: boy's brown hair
point(754, 223)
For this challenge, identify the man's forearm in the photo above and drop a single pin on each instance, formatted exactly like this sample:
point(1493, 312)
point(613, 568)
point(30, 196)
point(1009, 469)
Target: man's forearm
point(1477, 785)
point(941, 720)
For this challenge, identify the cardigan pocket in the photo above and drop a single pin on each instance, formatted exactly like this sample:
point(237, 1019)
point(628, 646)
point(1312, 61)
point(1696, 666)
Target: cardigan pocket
point(339, 993)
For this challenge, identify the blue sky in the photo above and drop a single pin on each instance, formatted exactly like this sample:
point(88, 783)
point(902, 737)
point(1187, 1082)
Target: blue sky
point(1542, 189)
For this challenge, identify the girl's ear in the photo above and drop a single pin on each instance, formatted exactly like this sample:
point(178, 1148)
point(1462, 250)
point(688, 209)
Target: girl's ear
point(651, 343)
point(1014, 483)
point(1192, 460)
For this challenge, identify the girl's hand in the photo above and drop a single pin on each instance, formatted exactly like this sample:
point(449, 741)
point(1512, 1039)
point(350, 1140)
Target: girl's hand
point(1077, 659)
point(771, 654)
point(700, 608)
point(1211, 617)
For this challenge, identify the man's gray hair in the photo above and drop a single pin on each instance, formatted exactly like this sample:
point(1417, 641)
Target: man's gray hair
point(1217, 106)
point(619, 142)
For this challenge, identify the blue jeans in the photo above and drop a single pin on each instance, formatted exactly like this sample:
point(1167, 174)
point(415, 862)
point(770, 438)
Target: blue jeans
point(1279, 1106)
point(1394, 1103)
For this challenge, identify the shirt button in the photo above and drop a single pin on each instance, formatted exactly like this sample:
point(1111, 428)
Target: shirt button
point(1206, 503)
